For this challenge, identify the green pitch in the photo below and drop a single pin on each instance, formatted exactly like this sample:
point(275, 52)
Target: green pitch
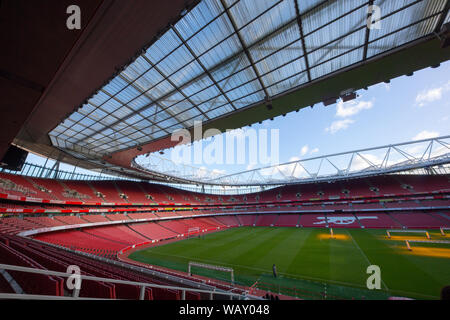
point(311, 265)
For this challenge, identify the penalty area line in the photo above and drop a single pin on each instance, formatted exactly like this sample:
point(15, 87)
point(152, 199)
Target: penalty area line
point(365, 256)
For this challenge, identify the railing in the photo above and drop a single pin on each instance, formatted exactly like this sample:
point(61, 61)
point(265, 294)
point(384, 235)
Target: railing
point(142, 285)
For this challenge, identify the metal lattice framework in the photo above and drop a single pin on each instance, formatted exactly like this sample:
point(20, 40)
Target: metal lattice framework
point(431, 154)
point(225, 55)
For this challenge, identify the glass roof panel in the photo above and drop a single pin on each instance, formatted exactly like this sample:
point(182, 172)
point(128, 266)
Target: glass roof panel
point(284, 72)
point(148, 80)
point(287, 84)
point(116, 84)
point(136, 69)
point(163, 46)
point(281, 45)
point(211, 36)
point(198, 17)
point(265, 24)
point(186, 73)
point(218, 111)
point(198, 85)
point(98, 99)
point(215, 60)
point(175, 61)
point(139, 103)
point(405, 25)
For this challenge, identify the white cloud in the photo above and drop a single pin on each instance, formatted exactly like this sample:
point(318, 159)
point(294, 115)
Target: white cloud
point(218, 172)
point(360, 163)
point(346, 110)
point(339, 125)
point(240, 132)
point(290, 170)
point(350, 108)
point(430, 95)
point(202, 172)
point(304, 150)
point(425, 135)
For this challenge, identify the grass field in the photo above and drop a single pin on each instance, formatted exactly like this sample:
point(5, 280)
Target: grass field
point(310, 264)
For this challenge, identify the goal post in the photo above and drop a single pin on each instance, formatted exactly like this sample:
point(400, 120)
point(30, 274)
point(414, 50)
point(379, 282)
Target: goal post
point(191, 232)
point(389, 232)
point(210, 267)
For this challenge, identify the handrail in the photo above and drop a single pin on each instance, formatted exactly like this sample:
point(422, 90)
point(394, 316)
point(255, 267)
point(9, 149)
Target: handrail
point(142, 285)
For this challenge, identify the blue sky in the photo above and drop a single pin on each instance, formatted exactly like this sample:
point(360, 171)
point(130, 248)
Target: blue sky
point(405, 109)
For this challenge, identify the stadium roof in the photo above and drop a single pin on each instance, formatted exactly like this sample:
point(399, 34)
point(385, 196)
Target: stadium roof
point(227, 55)
point(431, 154)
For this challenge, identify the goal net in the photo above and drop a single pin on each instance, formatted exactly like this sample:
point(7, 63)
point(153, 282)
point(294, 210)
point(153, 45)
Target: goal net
point(215, 270)
point(193, 232)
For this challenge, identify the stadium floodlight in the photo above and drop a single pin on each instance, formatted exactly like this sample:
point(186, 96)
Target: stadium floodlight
point(329, 101)
point(349, 96)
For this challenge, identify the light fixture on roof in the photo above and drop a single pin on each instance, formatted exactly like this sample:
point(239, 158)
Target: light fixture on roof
point(348, 95)
point(329, 101)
